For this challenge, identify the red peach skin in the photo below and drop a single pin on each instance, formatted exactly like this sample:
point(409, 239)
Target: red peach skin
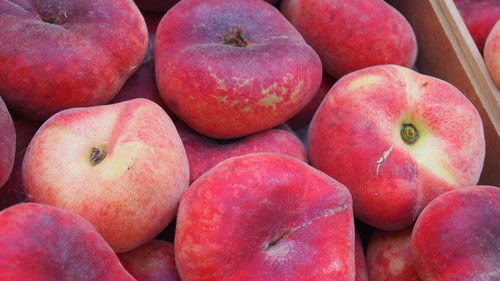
point(265, 216)
point(361, 271)
point(303, 118)
point(204, 153)
point(353, 34)
point(388, 256)
point(41, 243)
point(12, 192)
point(456, 238)
point(142, 84)
point(388, 134)
point(479, 16)
point(232, 68)
point(7, 143)
point(153, 261)
point(492, 54)
point(58, 54)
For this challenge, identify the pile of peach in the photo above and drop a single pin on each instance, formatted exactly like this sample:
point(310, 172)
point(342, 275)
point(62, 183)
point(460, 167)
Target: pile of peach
point(238, 140)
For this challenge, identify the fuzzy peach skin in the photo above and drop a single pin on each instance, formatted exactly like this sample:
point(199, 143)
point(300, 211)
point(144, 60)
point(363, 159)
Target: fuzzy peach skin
point(303, 117)
point(25, 130)
point(12, 192)
point(492, 54)
point(362, 136)
point(233, 68)
point(388, 256)
point(40, 242)
point(265, 216)
point(142, 84)
point(353, 34)
point(164, 5)
point(359, 254)
point(457, 236)
point(122, 167)
point(7, 143)
point(153, 261)
point(204, 153)
point(479, 16)
point(58, 54)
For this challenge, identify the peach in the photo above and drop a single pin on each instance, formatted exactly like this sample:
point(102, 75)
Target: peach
point(359, 255)
point(7, 143)
point(232, 68)
point(388, 256)
point(204, 153)
point(12, 192)
point(121, 166)
point(25, 130)
point(479, 16)
point(388, 134)
point(265, 216)
point(142, 84)
point(353, 34)
point(153, 261)
point(40, 242)
point(304, 116)
point(59, 54)
point(492, 54)
point(457, 236)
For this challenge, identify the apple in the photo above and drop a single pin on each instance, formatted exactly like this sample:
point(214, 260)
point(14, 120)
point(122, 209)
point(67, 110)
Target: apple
point(397, 139)
point(353, 34)
point(359, 255)
point(303, 117)
point(142, 84)
point(153, 261)
point(389, 258)
point(492, 54)
point(12, 192)
point(457, 236)
point(204, 153)
point(7, 143)
point(232, 68)
point(265, 216)
point(479, 16)
point(121, 166)
point(41, 242)
point(58, 54)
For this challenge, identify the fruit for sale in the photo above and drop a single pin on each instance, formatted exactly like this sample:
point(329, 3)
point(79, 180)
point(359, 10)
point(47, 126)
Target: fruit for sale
point(457, 236)
point(58, 54)
point(303, 118)
point(388, 256)
point(7, 143)
point(233, 68)
point(153, 261)
point(479, 16)
point(122, 167)
point(492, 54)
point(397, 139)
point(359, 254)
point(40, 242)
point(13, 190)
point(204, 153)
point(353, 34)
point(265, 216)
point(142, 84)
point(25, 130)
